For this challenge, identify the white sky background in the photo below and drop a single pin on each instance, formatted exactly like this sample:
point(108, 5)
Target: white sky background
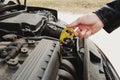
point(108, 43)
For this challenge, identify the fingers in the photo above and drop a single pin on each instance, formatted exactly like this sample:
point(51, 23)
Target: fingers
point(88, 33)
point(80, 32)
point(84, 33)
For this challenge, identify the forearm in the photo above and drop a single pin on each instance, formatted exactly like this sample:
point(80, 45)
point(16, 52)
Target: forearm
point(110, 15)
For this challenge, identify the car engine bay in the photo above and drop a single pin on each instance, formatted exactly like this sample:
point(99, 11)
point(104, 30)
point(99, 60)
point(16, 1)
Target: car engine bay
point(30, 48)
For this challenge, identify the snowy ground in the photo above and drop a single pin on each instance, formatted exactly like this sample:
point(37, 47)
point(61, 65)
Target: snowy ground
point(108, 43)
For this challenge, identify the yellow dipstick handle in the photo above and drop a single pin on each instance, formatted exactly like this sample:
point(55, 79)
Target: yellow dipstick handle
point(66, 33)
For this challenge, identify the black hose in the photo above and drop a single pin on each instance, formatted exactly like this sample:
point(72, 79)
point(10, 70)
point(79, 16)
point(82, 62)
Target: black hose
point(68, 66)
point(64, 75)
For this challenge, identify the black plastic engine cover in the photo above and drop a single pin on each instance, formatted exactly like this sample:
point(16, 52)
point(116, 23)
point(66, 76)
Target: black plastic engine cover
point(23, 21)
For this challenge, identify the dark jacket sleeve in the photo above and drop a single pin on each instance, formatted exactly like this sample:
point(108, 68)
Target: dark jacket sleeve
point(110, 15)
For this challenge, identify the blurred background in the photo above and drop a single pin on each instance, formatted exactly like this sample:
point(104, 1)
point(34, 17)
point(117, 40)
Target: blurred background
point(74, 6)
point(70, 10)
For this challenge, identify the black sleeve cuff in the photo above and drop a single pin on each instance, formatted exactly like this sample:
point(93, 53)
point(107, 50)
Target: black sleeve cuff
point(110, 16)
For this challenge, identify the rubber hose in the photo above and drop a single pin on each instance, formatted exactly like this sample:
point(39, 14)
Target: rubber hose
point(64, 75)
point(67, 65)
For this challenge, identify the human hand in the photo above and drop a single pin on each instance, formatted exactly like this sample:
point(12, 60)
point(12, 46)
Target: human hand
point(86, 25)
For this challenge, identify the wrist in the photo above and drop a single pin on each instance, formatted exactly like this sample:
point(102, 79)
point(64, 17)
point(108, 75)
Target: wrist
point(98, 19)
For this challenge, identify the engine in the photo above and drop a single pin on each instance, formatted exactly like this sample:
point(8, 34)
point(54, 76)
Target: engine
point(30, 48)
